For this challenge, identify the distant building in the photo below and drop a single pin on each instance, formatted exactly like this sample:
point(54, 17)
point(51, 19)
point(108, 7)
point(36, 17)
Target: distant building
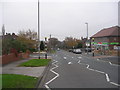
point(9, 36)
point(108, 38)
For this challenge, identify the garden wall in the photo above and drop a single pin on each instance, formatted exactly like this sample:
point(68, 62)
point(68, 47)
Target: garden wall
point(12, 57)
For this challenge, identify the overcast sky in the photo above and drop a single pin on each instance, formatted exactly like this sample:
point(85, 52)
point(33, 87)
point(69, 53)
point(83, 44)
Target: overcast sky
point(60, 18)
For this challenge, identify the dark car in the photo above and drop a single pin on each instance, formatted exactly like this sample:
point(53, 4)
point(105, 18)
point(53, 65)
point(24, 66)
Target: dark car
point(70, 50)
point(77, 51)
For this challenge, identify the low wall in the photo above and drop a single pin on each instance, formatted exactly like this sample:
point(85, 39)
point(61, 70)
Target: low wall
point(109, 52)
point(12, 57)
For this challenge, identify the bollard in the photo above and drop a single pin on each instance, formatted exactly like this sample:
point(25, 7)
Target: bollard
point(46, 56)
point(93, 54)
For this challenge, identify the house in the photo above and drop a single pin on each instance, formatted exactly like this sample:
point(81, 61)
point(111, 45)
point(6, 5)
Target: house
point(106, 39)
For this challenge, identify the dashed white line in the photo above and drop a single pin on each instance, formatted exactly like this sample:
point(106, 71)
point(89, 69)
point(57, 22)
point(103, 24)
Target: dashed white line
point(79, 57)
point(65, 57)
point(69, 62)
point(57, 75)
point(108, 62)
point(79, 61)
point(107, 77)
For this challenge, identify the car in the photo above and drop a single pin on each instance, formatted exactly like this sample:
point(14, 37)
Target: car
point(88, 50)
point(58, 49)
point(77, 51)
point(70, 50)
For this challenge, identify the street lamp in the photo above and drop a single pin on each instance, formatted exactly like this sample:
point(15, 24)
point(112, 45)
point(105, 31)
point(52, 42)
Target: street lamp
point(38, 32)
point(87, 37)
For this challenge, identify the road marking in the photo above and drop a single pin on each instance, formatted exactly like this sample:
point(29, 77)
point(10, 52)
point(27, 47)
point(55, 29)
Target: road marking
point(108, 62)
point(65, 57)
point(72, 57)
point(113, 64)
point(98, 59)
point(57, 75)
point(114, 83)
point(107, 77)
point(79, 57)
point(69, 62)
point(79, 61)
point(99, 71)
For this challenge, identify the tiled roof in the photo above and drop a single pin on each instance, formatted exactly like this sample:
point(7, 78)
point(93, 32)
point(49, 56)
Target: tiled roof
point(112, 31)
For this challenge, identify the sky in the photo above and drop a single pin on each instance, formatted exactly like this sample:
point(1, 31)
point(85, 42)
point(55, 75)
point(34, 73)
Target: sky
point(60, 18)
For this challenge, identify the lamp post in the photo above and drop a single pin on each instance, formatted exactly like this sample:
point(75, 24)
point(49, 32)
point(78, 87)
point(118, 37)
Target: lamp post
point(87, 37)
point(38, 32)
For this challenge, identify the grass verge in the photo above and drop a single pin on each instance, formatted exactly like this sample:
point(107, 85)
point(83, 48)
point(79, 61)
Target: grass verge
point(18, 81)
point(35, 63)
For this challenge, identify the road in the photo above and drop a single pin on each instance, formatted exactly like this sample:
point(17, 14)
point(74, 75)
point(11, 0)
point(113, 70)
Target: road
point(69, 70)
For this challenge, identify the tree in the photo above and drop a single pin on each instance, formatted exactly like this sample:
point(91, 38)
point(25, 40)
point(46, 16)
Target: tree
point(71, 42)
point(53, 43)
point(28, 39)
point(79, 45)
point(42, 46)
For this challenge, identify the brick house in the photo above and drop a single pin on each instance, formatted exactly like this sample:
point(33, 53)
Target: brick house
point(106, 39)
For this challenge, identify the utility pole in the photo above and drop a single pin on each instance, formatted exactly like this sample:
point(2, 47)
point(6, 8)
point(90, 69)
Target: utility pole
point(87, 36)
point(38, 32)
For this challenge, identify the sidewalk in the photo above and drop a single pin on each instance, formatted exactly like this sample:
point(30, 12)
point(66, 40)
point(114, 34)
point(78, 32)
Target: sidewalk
point(12, 68)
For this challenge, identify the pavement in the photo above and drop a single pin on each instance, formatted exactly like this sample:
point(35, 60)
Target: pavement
point(13, 68)
point(69, 70)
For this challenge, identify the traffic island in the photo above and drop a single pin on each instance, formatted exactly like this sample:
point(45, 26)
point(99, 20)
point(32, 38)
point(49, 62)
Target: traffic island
point(36, 63)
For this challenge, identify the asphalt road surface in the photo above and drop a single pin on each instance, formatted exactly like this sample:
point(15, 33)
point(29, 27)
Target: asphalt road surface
point(69, 70)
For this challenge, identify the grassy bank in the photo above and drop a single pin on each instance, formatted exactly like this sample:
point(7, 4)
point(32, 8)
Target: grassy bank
point(35, 63)
point(18, 81)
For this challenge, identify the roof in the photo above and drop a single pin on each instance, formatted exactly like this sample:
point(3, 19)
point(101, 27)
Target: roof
point(112, 31)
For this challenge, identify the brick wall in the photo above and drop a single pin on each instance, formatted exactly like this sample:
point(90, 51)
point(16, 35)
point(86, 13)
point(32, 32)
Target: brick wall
point(12, 57)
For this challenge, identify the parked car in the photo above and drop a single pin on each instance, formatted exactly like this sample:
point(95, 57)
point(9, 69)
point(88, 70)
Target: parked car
point(77, 51)
point(58, 49)
point(70, 50)
point(88, 50)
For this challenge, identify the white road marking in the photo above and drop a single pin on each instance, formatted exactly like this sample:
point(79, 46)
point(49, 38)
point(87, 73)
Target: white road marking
point(98, 59)
point(99, 71)
point(79, 61)
point(79, 57)
point(113, 64)
point(107, 77)
point(108, 62)
point(69, 62)
point(47, 87)
point(114, 83)
point(57, 75)
point(72, 57)
point(65, 57)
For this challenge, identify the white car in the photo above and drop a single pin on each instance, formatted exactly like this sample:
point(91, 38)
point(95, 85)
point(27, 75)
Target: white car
point(77, 51)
